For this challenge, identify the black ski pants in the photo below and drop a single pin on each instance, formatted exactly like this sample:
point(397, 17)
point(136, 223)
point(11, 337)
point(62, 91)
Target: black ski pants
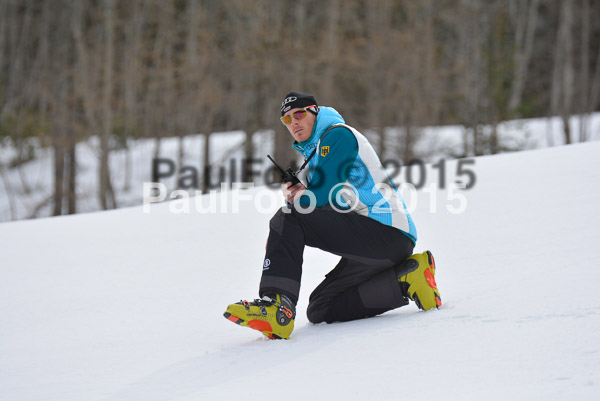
point(364, 282)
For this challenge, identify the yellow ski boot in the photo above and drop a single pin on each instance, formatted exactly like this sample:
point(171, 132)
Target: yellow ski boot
point(416, 276)
point(272, 315)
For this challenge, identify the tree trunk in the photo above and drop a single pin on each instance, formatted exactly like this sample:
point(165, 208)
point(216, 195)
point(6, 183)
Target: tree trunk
point(248, 154)
point(563, 71)
point(567, 129)
point(107, 195)
point(71, 158)
point(130, 82)
point(526, 27)
point(584, 74)
point(59, 171)
point(326, 91)
point(595, 88)
point(206, 164)
point(127, 170)
point(9, 193)
point(59, 129)
point(157, 147)
point(494, 138)
point(180, 158)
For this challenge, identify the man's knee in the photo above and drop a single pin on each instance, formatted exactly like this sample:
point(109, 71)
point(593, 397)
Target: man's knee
point(316, 313)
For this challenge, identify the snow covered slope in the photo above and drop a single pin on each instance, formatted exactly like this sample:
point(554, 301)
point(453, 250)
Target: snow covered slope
point(126, 305)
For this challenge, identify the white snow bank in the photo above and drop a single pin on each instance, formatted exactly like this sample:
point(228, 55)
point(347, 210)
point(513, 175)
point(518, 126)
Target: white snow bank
point(124, 305)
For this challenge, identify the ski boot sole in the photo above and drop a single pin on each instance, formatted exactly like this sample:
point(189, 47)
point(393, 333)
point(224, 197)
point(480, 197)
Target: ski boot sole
point(255, 324)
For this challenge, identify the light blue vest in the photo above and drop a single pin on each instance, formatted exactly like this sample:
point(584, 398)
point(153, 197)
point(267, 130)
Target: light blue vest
point(369, 190)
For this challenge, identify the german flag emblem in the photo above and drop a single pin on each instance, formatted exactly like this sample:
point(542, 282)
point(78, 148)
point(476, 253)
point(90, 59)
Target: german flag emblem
point(324, 150)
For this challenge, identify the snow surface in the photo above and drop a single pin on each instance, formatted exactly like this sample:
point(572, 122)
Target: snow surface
point(127, 305)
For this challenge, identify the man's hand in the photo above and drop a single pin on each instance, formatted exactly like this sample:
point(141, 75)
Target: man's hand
point(292, 193)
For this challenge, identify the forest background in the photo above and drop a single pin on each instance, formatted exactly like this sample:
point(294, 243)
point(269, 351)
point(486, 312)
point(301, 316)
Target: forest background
point(120, 71)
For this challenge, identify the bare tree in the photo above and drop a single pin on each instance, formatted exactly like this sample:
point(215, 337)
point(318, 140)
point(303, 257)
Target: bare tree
point(594, 103)
point(584, 73)
point(106, 192)
point(563, 76)
point(132, 24)
point(524, 15)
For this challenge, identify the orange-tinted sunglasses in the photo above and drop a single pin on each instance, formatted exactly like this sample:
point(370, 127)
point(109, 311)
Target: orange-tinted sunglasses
point(298, 115)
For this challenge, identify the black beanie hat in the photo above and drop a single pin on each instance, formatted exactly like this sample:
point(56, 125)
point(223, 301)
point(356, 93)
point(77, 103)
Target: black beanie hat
point(295, 100)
